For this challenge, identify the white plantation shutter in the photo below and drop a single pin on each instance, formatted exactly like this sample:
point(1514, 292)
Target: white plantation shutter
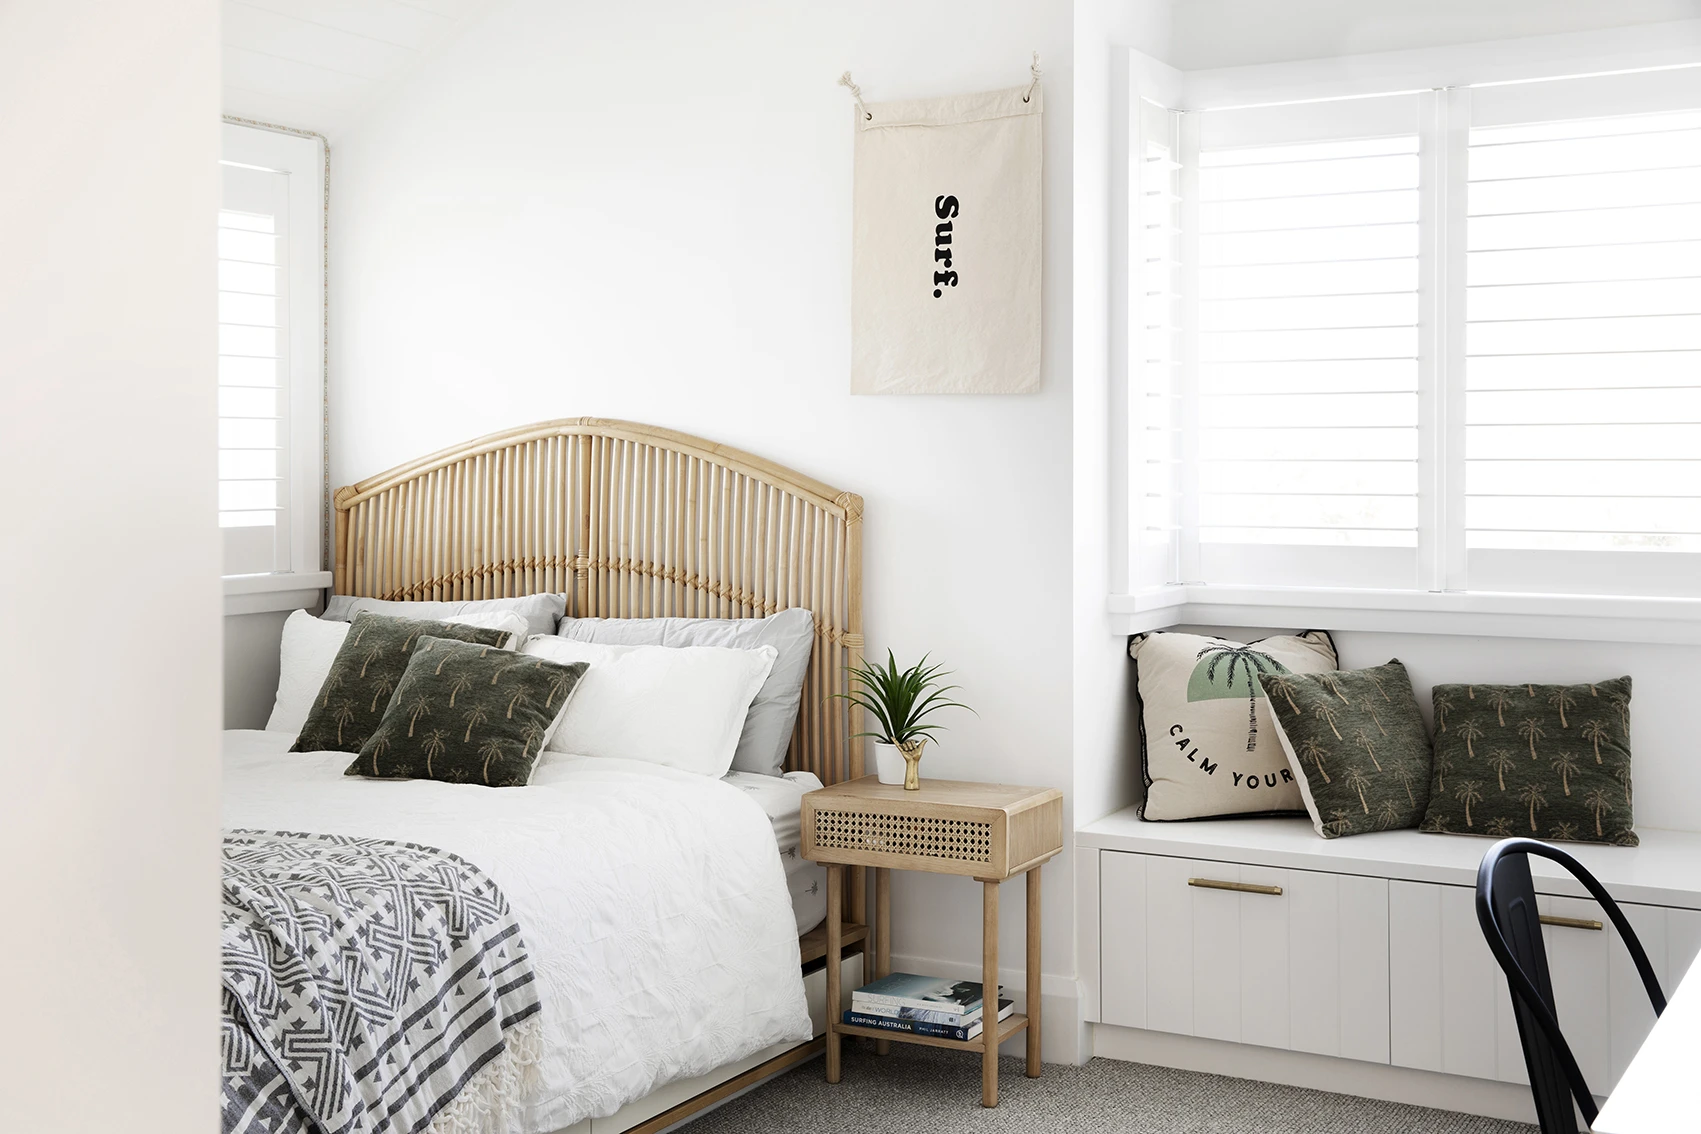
point(1157, 309)
point(1583, 340)
point(1306, 366)
point(271, 350)
point(1442, 340)
point(253, 370)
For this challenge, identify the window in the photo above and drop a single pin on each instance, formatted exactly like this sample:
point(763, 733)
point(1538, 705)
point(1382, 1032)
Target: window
point(271, 353)
point(1436, 341)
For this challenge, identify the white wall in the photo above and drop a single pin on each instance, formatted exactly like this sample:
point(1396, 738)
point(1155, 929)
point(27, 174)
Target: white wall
point(251, 666)
point(108, 816)
point(642, 210)
point(1104, 779)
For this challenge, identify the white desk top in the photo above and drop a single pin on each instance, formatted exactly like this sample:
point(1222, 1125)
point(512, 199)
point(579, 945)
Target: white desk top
point(1665, 870)
point(1657, 1093)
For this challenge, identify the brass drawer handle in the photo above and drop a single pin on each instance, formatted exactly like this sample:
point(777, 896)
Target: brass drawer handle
point(1240, 887)
point(1570, 922)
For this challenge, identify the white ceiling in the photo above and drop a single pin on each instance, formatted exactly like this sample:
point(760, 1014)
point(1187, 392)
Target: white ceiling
point(1207, 34)
point(317, 64)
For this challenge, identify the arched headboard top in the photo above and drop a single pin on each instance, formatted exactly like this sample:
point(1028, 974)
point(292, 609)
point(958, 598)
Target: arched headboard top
point(628, 521)
point(779, 476)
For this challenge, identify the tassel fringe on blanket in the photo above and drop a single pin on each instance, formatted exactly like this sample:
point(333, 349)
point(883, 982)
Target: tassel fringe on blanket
point(486, 1105)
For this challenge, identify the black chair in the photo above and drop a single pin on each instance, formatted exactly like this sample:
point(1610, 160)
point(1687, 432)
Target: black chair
point(1506, 907)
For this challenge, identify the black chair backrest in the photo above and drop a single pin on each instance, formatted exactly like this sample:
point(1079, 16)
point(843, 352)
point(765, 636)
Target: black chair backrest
point(1506, 908)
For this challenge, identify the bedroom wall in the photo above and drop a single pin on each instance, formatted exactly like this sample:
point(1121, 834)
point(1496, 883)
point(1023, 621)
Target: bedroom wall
point(107, 436)
point(643, 211)
point(251, 666)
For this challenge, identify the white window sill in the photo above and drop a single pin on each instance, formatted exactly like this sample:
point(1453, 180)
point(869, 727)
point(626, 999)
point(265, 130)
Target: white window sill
point(1587, 618)
point(260, 594)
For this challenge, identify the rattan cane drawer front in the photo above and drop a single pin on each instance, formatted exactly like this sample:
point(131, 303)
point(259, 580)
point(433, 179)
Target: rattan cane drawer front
point(908, 836)
point(987, 831)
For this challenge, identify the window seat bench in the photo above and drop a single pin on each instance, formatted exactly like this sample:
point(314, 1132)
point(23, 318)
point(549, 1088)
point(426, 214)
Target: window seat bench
point(1279, 947)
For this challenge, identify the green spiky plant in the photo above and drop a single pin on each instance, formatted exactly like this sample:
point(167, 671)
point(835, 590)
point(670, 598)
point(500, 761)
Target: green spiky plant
point(900, 700)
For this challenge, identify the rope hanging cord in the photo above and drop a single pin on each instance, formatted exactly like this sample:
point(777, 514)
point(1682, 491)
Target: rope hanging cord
point(856, 91)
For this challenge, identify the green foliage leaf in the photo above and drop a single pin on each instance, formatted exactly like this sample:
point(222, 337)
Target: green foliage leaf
point(900, 700)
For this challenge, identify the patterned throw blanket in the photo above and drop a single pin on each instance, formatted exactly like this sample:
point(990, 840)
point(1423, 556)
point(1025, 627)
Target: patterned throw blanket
point(370, 987)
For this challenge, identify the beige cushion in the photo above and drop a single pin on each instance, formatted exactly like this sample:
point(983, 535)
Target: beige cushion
point(1208, 743)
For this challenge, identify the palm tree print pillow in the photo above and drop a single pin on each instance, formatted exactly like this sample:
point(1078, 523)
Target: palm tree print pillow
point(1543, 761)
point(468, 714)
point(1356, 743)
point(364, 675)
point(1208, 745)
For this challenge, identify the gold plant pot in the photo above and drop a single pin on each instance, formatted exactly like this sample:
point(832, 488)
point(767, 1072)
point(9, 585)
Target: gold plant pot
point(911, 752)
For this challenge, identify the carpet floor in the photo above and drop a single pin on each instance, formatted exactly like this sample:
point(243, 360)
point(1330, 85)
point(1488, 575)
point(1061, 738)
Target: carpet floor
point(919, 1090)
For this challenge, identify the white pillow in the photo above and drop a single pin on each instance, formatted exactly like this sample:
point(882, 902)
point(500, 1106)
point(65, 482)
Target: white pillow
point(773, 714)
point(679, 706)
point(310, 646)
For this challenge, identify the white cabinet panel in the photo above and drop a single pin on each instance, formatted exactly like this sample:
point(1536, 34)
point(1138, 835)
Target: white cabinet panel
point(1577, 961)
point(1217, 956)
point(1414, 962)
point(1123, 939)
point(1450, 1008)
point(1634, 1018)
point(1306, 969)
point(1169, 945)
point(1314, 961)
point(1264, 957)
point(1683, 945)
point(1362, 934)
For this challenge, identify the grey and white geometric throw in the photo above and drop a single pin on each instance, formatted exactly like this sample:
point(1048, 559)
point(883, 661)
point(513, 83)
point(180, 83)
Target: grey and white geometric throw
point(367, 983)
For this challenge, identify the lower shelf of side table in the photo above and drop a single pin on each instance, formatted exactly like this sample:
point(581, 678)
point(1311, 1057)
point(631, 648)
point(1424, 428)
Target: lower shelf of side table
point(1007, 1027)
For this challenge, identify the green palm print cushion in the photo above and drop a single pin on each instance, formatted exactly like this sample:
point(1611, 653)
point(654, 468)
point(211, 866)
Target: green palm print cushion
point(364, 675)
point(1356, 742)
point(468, 714)
point(1542, 761)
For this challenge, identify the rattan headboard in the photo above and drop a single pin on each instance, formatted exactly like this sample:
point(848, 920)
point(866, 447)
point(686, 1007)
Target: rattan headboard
point(630, 521)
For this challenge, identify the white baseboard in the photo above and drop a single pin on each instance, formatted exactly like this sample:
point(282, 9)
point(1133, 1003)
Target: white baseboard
point(1317, 1072)
point(1063, 1038)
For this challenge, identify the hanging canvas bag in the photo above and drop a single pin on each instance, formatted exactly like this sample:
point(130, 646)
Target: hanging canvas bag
point(945, 257)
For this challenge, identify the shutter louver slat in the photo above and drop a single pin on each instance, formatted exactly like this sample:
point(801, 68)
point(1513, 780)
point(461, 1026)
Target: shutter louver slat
point(1307, 370)
point(1583, 336)
point(252, 489)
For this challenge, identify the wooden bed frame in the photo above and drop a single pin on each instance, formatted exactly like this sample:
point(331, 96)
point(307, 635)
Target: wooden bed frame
point(632, 521)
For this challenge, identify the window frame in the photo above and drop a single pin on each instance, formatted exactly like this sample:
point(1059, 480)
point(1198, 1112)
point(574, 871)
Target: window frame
point(304, 157)
point(1439, 601)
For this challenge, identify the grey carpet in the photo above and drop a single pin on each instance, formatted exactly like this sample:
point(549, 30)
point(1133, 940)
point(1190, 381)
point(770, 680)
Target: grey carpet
point(920, 1090)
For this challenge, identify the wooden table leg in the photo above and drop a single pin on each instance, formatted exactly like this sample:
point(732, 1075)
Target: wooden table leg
point(1034, 990)
point(989, 995)
point(882, 936)
point(835, 945)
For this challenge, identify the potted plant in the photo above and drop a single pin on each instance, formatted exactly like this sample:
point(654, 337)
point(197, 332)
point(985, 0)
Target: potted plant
point(900, 701)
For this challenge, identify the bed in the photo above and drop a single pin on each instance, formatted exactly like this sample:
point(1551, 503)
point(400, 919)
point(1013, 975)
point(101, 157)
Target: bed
point(672, 925)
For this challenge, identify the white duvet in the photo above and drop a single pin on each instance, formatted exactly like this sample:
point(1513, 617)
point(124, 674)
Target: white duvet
point(653, 903)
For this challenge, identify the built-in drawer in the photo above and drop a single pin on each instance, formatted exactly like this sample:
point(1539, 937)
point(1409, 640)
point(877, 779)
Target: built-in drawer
point(1450, 1008)
point(1293, 959)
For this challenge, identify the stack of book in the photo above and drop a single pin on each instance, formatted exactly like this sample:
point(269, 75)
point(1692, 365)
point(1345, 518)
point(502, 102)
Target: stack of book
point(922, 1005)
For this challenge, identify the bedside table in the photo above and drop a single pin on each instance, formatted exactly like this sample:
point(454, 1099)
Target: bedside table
point(988, 832)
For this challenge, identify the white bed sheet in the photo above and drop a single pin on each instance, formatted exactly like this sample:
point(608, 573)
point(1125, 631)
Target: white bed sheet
point(653, 903)
point(781, 799)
